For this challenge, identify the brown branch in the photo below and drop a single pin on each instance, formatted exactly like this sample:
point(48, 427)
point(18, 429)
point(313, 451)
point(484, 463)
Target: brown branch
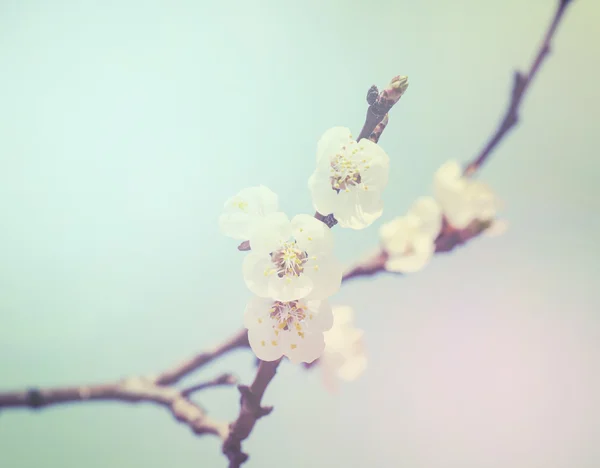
point(130, 390)
point(250, 411)
point(173, 375)
point(520, 86)
point(221, 381)
point(448, 239)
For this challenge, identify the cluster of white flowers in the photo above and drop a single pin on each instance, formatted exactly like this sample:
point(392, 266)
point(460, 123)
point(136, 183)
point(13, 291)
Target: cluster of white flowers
point(291, 269)
point(409, 240)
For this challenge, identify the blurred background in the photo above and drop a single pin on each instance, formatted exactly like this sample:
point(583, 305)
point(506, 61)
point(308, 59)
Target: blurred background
point(126, 124)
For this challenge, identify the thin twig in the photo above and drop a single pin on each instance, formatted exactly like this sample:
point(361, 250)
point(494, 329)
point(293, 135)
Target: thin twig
point(221, 381)
point(520, 86)
point(173, 375)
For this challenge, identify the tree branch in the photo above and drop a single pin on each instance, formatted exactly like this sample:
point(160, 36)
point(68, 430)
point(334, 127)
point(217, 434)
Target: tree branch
point(173, 375)
point(380, 103)
point(520, 86)
point(250, 411)
point(221, 381)
point(130, 390)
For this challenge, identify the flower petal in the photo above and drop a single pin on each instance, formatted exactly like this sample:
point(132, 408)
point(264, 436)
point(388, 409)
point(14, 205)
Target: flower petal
point(265, 344)
point(268, 235)
point(289, 288)
point(323, 196)
point(302, 347)
point(353, 368)
point(396, 236)
point(326, 274)
point(427, 210)
point(242, 211)
point(255, 269)
point(332, 141)
point(320, 316)
point(358, 209)
point(311, 234)
point(423, 248)
point(257, 311)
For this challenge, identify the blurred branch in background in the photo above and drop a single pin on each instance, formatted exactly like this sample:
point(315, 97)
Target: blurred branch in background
point(160, 390)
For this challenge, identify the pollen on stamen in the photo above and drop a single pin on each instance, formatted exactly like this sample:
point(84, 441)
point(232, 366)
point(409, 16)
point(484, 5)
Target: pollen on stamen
point(316, 267)
point(262, 343)
point(274, 343)
point(309, 238)
point(293, 346)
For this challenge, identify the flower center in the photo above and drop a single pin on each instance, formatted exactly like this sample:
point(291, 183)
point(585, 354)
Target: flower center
point(289, 260)
point(344, 172)
point(288, 315)
point(348, 168)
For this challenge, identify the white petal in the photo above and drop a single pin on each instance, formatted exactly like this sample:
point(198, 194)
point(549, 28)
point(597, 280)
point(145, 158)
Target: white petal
point(428, 211)
point(378, 162)
point(264, 343)
point(331, 142)
point(326, 278)
point(352, 369)
point(448, 175)
point(257, 311)
point(268, 235)
point(260, 199)
point(424, 248)
point(343, 315)
point(311, 234)
point(302, 348)
point(458, 211)
point(320, 316)
point(397, 235)
point(359, 210)
point(323, 196)
point(236, 225)
point(483, 200)
point(289, 288)
point(242, 210)
point(255, 269)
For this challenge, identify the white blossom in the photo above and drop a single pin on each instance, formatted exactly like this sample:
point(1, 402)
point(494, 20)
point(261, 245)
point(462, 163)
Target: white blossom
point(409, 240)
point(293, 329)
point(463, 200)
point(291, 260)
point(349, 178)
point(244, 210)
point(344, 356)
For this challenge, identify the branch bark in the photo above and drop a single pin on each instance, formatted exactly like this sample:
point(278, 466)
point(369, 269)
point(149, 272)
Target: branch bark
point(521, 84)
point(250, 412)
point(130, 390)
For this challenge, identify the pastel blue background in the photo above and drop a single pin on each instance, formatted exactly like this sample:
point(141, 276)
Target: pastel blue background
point(125, 125)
